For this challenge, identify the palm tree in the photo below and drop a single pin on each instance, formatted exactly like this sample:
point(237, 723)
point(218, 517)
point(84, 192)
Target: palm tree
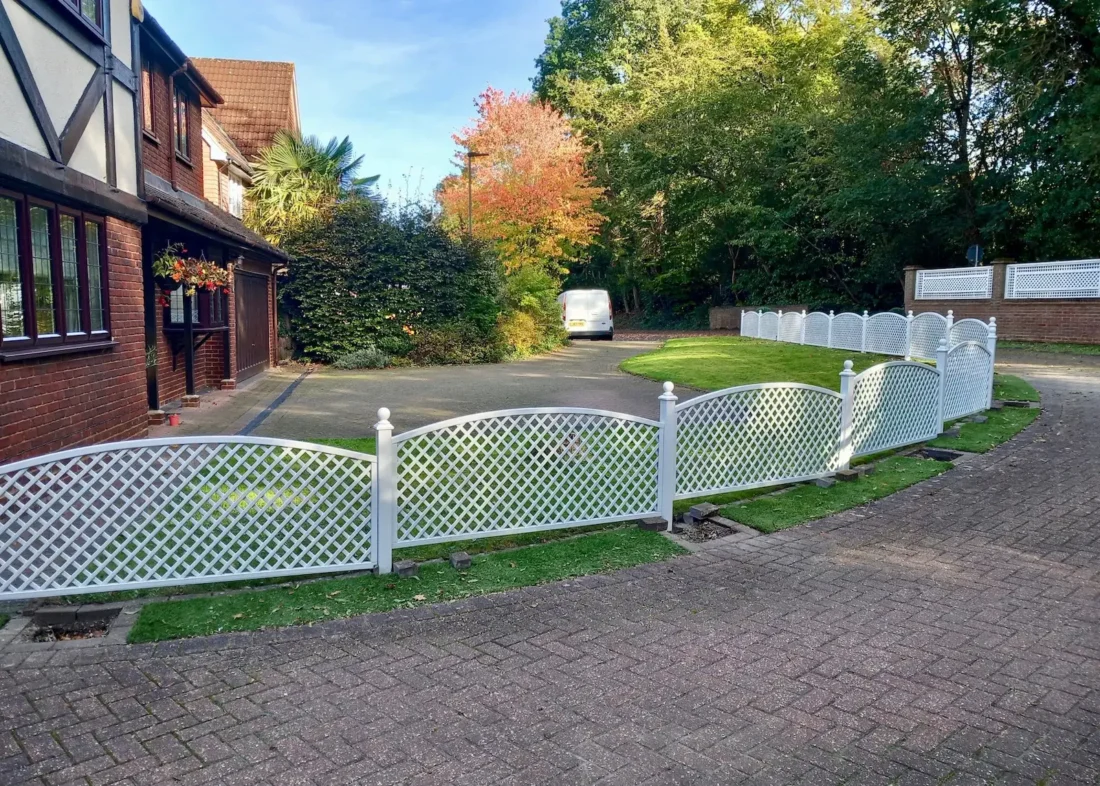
point(297, 178)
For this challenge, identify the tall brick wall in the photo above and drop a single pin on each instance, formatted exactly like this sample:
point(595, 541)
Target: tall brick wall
point(1073, 321)
point(157, 153)
point(62, 402)
point(171, 384)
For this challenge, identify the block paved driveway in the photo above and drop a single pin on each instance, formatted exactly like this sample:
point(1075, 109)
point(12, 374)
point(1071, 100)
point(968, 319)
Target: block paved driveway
point(946, 635)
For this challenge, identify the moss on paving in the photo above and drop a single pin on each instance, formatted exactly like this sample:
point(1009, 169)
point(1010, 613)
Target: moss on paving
point(715, 363)
point(346, 597)
point(1051, 347)
point(1001, 426)
point(1009, 388)
point(809, 502)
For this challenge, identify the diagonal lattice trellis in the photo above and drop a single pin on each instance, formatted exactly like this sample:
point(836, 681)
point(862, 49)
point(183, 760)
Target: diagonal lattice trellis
point(965, 283)
point(817, 329)
point(1035, 280)
point(769, 325)
point(757, 435)
point(790, 327)
point(894, 404)
point(969, 330)
point(926, 333)
point(162, 512)
point(750, 324)
point(967, 385)
point(888, 334)
point(848, 331)
point(524, 470)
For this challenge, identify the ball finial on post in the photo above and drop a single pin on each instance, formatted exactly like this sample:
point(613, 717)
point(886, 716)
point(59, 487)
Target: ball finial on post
point(848, 365)
point(668, 387)
point(383, 414)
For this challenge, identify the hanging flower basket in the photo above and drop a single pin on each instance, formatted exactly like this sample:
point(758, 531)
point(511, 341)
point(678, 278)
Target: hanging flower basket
point(174, 270)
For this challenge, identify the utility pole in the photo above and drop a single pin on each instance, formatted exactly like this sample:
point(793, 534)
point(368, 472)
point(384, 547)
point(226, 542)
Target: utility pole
point(470, 156)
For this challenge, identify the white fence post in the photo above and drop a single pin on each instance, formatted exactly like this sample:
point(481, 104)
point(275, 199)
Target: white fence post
point(385, 507)
point(909, 336)
point(847, 411)
point(991, 345)
point(666, 457)
point(941, 366)
point(779, 327)
point(863, 338)
point(802, 336)
point(950, 324)
point(829, 341)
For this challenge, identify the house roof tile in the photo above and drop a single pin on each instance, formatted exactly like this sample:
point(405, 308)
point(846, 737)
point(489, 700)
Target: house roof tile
point(260, 99)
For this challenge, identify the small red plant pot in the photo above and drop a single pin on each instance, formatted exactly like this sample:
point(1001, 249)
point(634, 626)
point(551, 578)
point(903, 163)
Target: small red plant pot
point(173, 420)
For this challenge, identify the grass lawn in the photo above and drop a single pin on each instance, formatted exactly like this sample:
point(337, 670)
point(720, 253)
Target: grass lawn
point(1002, 426)
point(715, 363)
point(808, 502)
point(346, 597)
point(1058, 349)
point(1009, 388)
point(358, 444)
point(4, 620)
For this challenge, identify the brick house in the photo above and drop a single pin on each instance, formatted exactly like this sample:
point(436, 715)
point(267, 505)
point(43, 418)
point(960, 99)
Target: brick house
point(212, 339)
point(72, 353)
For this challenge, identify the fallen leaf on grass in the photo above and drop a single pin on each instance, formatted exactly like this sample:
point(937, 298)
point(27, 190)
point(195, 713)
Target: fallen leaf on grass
point(420, 597)
point(239, 616)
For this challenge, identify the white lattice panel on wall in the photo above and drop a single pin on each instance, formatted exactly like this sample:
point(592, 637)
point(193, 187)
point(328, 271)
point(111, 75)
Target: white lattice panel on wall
point(769, 325)
point(968, 379)
point(926, 333)
point(817, 329)
point(750, 324)
point(184, 511)
point(894, 404)
point(961, 283)
point(790, 327)
point(523, 470)
point(1038, 280)
point(969, 330)
point(848, 331)
point(887, 334)
point(757, 435)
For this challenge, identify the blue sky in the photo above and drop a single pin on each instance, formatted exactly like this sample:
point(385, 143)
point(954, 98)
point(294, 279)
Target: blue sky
point(397, 76)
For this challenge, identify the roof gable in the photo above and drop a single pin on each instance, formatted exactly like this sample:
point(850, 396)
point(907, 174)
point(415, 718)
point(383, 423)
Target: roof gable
point(261, 98)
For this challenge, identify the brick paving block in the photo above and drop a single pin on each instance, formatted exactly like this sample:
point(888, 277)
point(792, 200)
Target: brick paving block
point(406, 568)
point(653, 524)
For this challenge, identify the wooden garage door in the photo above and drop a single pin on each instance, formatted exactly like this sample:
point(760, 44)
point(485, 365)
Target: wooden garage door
point(253, 324)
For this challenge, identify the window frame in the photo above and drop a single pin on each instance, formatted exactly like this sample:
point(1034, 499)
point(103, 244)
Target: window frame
point(95, 26)
point(202, 305)
point(181, 131)
point(64, 337)
point(148, 100)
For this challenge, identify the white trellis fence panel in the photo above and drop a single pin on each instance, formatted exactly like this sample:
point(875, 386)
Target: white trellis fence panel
point(817, 329)
point(848, 332)
point(894, 404)
point(887, 334)
point(756, 435)
point(524, 470)
point(968, 330)
point(960, 283)
point(926, 332)
point(967, 381)
point(1039, 280)
point(750, 324)
point(790, 327)
point(769, 325)
point(153, 513)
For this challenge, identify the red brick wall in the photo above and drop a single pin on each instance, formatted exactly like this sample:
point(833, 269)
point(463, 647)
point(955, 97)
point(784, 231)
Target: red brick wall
point(171, 384)
point(57, 403)
point(1072, 321)
point(157, 153)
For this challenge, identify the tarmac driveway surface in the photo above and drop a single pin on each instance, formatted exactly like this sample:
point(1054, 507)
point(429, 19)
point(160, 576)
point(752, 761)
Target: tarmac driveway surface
point(331, 403)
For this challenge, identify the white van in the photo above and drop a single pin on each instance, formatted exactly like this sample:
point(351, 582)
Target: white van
point(586, 313)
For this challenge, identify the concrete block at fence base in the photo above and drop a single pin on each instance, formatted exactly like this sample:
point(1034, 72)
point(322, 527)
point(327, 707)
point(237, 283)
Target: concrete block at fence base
point(825, 483)
point(406, 568)
point(703, 511)
point(979, 419)
point(997, 405)
point(847, 475)
point(1021, 404)
point(653, 524)
point(90, 614)
point(867, 469)
point(460, 560)
point(954, 431)
point(52, 616)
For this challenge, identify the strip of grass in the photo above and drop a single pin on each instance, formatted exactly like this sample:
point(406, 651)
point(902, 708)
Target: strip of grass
point(1002, 425)
point(337, 598)
point(1054, 347)
point(358, 444)
point(1009, 388)
point(716, 363)
point(4, 620)
point(806, 503)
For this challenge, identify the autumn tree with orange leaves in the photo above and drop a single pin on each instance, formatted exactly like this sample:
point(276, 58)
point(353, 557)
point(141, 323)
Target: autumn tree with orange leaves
point(533, 201)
